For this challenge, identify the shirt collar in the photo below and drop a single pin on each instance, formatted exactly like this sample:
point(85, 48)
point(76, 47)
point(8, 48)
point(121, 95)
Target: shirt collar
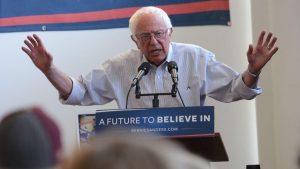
point(168, 59)
point(170, 53)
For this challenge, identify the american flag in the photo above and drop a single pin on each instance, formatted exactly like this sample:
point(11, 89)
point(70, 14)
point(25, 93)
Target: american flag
point(58, 15)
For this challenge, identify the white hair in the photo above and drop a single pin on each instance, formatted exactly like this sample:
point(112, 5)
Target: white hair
point(120, 151)
point(134, 19)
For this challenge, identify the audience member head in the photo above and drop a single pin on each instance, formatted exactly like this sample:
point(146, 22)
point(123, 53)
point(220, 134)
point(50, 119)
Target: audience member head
point(112, 151)
point(29, 139)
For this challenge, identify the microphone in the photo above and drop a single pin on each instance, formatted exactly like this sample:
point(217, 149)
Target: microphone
point(142, 71)
point(172, 68)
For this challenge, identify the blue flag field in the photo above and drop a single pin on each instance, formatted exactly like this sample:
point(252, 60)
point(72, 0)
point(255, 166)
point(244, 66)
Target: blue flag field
point(59, 15)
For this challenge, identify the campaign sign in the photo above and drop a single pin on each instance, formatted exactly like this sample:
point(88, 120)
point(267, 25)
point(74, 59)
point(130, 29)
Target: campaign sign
point(175, 121)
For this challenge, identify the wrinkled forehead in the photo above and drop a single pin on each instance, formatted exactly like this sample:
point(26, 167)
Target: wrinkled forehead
point(150, 22)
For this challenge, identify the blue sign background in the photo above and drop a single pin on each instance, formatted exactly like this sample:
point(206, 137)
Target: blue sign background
point(179, 121)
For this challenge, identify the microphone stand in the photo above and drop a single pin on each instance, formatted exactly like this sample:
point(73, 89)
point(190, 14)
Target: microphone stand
point(155, 101)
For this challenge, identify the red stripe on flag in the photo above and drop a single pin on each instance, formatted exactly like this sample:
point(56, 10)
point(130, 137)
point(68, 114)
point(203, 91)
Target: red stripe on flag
point(213, 5)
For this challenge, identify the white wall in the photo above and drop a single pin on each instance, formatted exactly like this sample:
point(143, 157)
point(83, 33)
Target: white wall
point(76, 52)
point(278, 107)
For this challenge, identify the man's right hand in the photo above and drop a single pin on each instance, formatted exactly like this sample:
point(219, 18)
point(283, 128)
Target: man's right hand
point(43, 60)
point(38, 53)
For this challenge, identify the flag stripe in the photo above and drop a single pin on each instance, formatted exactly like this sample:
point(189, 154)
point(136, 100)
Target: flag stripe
point(174, 9)
point(14, 8)
point(202, 18)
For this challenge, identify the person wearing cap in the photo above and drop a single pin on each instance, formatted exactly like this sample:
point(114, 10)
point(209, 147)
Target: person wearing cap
point(29, 139)
point(200, 74)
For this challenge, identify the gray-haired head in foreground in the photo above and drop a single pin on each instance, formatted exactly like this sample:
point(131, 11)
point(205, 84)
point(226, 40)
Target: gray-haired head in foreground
point(133, 21)
point(135, 152)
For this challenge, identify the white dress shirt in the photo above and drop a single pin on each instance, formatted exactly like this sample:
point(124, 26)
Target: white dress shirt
point(199, 75)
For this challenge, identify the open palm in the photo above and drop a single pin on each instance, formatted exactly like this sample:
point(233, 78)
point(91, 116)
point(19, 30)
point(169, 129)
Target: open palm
point(37, 53)
point(259, 55)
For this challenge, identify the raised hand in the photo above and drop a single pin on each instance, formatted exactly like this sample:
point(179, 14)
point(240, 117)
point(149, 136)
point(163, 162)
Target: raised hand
point(259, 55)
point(43, 60)
point(38, 53)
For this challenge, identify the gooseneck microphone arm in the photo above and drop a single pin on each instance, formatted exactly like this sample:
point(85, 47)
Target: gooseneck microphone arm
point(142, 71)
point(173, 69)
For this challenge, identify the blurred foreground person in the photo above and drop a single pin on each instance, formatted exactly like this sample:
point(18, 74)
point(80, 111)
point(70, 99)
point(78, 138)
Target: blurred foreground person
point(29, 139)
point(110, 151)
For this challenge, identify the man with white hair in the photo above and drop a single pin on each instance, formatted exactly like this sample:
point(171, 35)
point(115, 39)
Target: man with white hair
point(200, 75)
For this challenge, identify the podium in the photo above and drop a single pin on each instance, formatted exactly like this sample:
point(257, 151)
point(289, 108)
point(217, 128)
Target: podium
point(210, 147)
point(192, 127)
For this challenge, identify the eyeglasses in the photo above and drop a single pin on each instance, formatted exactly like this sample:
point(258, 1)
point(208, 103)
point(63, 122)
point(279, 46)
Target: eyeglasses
point(146, 37)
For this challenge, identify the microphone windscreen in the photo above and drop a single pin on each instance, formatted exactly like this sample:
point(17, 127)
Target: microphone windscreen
point(172, 65)
point(145, 66)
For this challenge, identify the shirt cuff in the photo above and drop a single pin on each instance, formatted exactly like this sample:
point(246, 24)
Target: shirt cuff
point(247, 92)
point(76, 95)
